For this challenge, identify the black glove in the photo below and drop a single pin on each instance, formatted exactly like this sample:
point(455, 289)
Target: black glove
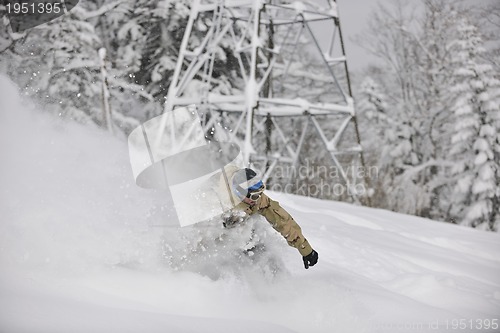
point(311, 259)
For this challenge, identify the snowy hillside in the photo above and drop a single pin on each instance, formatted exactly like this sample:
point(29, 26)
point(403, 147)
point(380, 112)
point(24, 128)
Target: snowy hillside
point(82, 249)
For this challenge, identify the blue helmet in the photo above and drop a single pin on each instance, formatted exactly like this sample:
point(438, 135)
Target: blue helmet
point(245, 182)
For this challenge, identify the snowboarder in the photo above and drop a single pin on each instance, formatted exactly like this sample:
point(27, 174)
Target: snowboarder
point(248, 190)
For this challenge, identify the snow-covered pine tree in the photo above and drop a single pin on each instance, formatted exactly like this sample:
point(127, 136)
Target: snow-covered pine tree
point(8, 41)
point(487, 18)
point(130, 101)
point(416, 54)
point(59, 66)
point(432, 77)
point(391, 38)
point(377, 129)
point(372, 104)
point(149, 41)
point(476, 138)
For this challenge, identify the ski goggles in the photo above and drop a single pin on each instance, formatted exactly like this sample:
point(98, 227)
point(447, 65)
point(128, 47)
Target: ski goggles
point(255, 196)
point(254, 192)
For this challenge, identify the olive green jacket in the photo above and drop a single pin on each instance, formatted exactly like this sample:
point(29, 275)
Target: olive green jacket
point(280, 220)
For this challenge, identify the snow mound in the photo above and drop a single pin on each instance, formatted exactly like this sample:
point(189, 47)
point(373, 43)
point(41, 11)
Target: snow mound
point(83, 249)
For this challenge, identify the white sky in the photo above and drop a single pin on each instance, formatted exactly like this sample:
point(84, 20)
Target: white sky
point(354, 15)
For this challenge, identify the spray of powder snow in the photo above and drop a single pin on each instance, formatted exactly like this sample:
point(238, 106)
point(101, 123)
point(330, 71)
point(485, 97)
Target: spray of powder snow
point(68, 198)
point(250, 249)
point(69, 203)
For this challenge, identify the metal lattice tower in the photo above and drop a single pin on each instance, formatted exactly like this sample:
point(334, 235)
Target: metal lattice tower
point(281, 53)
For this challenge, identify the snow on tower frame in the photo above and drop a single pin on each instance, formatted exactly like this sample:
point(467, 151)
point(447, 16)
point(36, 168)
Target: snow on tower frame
point(263, 71)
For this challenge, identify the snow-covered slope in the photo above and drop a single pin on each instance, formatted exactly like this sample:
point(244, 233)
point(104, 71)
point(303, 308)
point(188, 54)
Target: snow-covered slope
point(82, 249)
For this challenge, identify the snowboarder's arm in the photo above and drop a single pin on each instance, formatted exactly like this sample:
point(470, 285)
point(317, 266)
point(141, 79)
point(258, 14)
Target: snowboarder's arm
point(284, 223)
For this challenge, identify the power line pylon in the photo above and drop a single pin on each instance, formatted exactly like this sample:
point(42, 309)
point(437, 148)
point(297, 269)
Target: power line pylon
point(279, 57)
